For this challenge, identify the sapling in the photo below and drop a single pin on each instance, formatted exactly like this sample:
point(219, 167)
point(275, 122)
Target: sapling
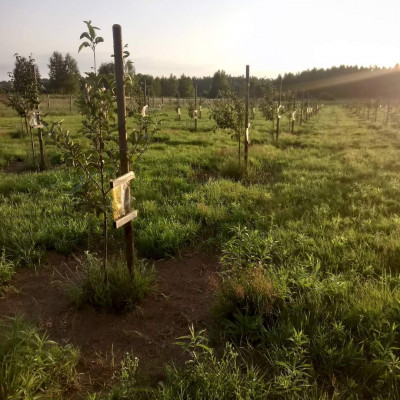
point(99, 160)
point(92, 41)
point(178, 108)
point(229, 114)
point(191, 108)
point(24, 94)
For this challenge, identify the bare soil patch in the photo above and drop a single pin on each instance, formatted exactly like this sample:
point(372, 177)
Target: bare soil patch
point(182, 296)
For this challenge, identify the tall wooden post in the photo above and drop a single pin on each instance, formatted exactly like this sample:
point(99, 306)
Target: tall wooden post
point(195, 107)
point(302, 109)
point(122, 135)
point(40, 133)
point(200, 104)
point(387, 112)
point(246, 118)
point(145, 92)
point(308, 105)
point(48, 102)
point(294, 110)
point(278, 117)
point(70, 102)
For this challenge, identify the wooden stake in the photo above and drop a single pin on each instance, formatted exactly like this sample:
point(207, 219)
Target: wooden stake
point(122, 135)
point(387, 112)
point(246, 118)
point(70, 102)
point(294, 109)
point(40, 134)
point(32, 145)
point(278, 116)
point(144, 92)
point(302, 109)
point(195, 107)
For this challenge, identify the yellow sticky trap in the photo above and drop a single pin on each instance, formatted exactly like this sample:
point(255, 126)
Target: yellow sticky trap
point(121, 200)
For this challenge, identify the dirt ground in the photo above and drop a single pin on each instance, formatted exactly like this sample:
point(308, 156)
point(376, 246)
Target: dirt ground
point(182, 296)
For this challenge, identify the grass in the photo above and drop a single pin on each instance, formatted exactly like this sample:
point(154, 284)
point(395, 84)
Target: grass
point(309, 241)
point(31, 365)
point(116, 290)
point(7, 271)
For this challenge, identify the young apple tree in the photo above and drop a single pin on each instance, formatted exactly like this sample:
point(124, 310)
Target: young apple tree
point(228, 111)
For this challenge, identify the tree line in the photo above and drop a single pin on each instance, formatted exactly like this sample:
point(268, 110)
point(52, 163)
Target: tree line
point(327, 84)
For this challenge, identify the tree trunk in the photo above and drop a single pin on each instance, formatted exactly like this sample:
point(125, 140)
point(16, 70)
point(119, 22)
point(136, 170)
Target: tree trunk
point(105, 245)
point(41, 148)
point(277, 129)
point(32, 141)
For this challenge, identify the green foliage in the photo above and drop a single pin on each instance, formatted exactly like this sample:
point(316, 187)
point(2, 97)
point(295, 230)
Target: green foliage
point(248, 248)
point(100, 161)
point(191, 108)
point(6, 270)
point(207, 376)
point(164, 237)
point(229, 113)
point(220, 83)
point(43, 216)
point(64, 74)
point(319, 241)
point(185, 86)
point(24, 94)
point(247, 302)
point(31, 365)
point(119, 291)
point(92, 41)
point(339, 312)
point(169, 86)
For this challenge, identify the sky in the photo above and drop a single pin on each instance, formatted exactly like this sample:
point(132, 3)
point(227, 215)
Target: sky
point(198, 38)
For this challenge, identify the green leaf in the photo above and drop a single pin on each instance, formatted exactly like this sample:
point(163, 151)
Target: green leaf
point(92, 32)
point(86, 35)
point(99, 39)
point(84, 44)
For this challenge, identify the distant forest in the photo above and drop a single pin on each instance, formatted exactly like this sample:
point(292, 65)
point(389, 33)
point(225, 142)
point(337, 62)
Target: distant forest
point(327, 84)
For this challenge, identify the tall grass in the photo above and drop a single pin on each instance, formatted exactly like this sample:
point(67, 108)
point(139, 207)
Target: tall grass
point(113, 289)
point(309, 241)
point(31, 365)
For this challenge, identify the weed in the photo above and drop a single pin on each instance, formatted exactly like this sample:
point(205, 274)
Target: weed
point(118, 292)
point(31, 365)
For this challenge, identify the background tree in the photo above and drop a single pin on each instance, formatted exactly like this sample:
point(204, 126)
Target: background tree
point(64, 74)
point(24, 93)
point(156, 87)
point(107, 68)
point(169, 86)
point(220, 83)
point(185, 86)
point(72, 73)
